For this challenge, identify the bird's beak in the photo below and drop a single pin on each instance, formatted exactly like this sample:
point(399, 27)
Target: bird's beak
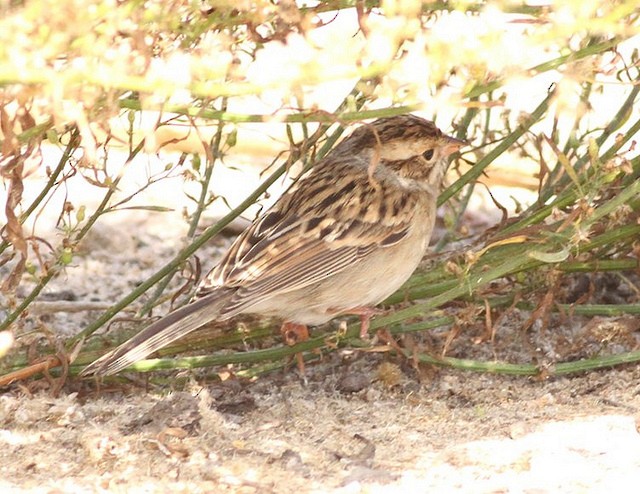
point(451, 145)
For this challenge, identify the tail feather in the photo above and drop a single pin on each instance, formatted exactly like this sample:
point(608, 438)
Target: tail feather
point(175, 325)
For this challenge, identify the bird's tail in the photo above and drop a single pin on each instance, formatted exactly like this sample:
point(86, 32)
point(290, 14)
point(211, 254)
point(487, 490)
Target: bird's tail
point(175, 325)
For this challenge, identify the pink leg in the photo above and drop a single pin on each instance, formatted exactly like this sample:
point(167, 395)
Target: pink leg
point(293, 333)
point(365, 313)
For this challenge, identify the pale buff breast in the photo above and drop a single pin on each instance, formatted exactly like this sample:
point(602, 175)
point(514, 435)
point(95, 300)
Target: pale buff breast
point(368, 282)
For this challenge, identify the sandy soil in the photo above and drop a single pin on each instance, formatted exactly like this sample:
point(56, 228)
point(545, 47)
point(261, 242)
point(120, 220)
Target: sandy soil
point(364, 422)
point(455, 431)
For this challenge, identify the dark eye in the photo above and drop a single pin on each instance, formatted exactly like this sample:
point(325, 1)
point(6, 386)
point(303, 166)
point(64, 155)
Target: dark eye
point(428, 154)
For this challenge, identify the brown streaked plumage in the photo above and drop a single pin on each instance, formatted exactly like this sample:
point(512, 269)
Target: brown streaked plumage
point(342, 238)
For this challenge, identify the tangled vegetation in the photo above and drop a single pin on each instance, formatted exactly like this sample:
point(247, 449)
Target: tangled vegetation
point(553, 87)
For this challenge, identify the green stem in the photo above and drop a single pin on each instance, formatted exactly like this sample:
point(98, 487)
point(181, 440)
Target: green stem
point(465, 286)
point(212, 230)
point(212, 158)
point(55, 269)
point(601, 309)
point(207, 235)
point(599, 265)
point(274, 353)
point(528, 369)
point(74, 141)
point(549, 65)
point(300, 117)
point(35, 132)
point(619, 119)
point(485, 161)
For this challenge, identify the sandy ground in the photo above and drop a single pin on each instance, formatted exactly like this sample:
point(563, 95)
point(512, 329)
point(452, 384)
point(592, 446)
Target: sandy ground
point(364, 422)
point(454, 432)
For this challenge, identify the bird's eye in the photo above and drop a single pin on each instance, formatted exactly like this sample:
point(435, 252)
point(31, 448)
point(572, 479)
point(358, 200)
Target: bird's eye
point(428, 154)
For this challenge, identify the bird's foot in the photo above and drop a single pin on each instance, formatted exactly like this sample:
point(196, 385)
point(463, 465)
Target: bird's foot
point(365, 313)
point(292, 334)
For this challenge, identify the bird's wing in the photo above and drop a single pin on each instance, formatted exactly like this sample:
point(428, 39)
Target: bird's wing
point(312, 233)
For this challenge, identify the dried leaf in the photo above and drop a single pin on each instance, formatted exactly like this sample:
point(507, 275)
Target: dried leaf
point(12, 232)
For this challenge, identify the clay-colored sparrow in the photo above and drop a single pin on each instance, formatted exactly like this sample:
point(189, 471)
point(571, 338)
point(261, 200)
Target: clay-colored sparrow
point(343, 238)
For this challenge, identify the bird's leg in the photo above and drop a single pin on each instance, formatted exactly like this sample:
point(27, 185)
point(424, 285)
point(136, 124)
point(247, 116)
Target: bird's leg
point(293, 333)
point(365, 313)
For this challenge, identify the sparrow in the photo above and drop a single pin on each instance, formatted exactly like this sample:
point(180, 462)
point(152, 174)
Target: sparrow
point(346, 235)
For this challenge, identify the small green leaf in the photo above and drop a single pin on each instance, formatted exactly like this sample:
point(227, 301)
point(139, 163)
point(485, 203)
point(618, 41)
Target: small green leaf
point(67, 256)
point(594, 153)
point(196, 162)
point(232, 138)
point(30, 268)
point(52, 136)
point(80, 214)
point(549, 257)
